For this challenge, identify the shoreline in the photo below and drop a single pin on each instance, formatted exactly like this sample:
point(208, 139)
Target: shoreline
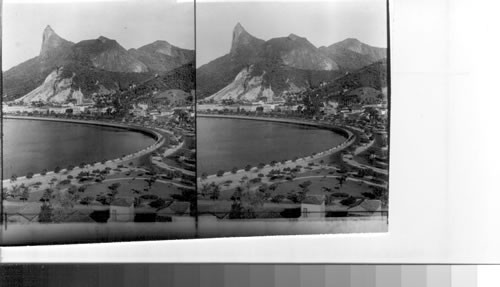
point(342, 131)
point(349, 139)
point(143, 130)
point(159, 141)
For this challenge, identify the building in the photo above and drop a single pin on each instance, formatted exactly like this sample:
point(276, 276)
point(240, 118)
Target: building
point(176, 211)
point(366, 207)
point(121, 210)
point(312, 207)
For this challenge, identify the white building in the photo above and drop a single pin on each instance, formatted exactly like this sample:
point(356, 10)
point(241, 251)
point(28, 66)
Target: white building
point(121, 210)
point(312, 208)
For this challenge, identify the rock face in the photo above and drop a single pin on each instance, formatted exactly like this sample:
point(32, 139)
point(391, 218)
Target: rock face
point(244, 87)
point(52, 44)
point(89, 61)
point(54, 89)
point(244, 44)
point(285, 64)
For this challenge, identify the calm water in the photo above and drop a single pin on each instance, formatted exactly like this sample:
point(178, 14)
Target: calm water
point(227, 143)
point(31, 146)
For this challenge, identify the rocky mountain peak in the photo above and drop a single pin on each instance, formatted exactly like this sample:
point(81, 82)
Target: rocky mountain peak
point(351, 44)
point(51, 41)
point(238, 30)
point(294, 37)
point(242, 38)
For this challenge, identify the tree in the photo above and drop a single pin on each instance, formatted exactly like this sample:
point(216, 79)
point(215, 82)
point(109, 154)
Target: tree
point(5, 192)
point(263, 187)
point(45, 215)
point(205, 189)
point(86, 200)
point(52, 182)
point(57, 169)
point(348, 201)
point(220, 173)
point(234, 170)
point(29, 175)
point(277, 198)
point(305, 184)
point(114, 188)
point(13, 178)
point(72, 189)
point(342, 180)
point(215, 191)
point(150, 181)
point(204, 176)
point(15, 190)
point(248, 167)
point(157, 203)
point(236, 210)
point(25, 194)
point(238, 192)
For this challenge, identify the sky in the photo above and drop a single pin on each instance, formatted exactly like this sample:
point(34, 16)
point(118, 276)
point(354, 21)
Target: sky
point(133, 23)
point(322, 23)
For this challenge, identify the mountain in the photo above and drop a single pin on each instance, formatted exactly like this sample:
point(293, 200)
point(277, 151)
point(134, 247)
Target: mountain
point(66, 71)
point(244, 87)
point(181, 78)
point(366, 82)
point(53, 44)
point(54, 89)
point(107, 54)
point(298, 52)
point(161, 56)
point(255, 68)
point(352, 54)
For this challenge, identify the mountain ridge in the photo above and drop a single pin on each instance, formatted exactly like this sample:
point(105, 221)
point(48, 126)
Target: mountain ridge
point(87, 58)
point(285, 64)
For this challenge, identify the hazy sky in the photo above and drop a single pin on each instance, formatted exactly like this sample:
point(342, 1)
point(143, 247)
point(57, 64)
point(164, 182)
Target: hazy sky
point(133, 23)
point(322, 23)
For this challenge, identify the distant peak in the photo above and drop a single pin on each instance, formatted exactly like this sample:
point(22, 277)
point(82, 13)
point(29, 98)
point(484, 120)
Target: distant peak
point(103, 39)
point(48, 32)
point(238, 31)
point(294, 37)
point(241, 37)
point(238, 28)
point(352, 40)
point(352, 44)
point(50, 41)
point(161, 44)
point(48, 29)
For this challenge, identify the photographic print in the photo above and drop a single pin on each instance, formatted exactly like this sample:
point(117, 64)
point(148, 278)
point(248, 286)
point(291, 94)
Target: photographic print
point(98, 122)
point(292, 117)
